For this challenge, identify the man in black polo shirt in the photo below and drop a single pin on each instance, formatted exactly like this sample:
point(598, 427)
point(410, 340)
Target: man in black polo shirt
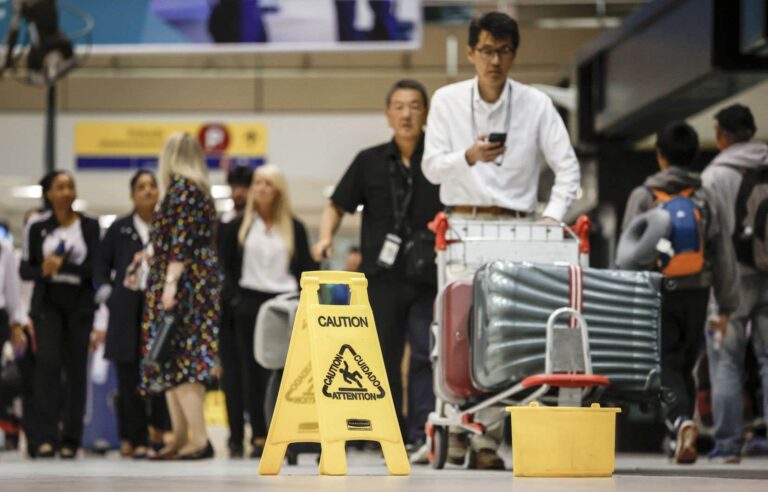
point(397, 248)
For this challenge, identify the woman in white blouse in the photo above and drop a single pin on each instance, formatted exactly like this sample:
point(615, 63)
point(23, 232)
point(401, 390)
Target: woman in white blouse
point(266, 252)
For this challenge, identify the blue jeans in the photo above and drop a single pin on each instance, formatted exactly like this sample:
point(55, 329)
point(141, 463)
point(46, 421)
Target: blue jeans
point(726, 365)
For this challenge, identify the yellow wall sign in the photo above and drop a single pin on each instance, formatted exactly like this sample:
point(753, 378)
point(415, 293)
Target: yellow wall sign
point(334, 385)
point(133, 145)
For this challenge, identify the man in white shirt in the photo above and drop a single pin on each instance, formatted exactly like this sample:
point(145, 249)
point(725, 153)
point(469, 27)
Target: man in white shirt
point(494, 176)
point(486, 141)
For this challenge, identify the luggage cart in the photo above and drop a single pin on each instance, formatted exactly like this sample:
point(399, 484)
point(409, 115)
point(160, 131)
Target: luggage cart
point(466, 245)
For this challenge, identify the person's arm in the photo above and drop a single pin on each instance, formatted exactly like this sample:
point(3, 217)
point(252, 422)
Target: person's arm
point(31, 267)
point(329, 224)
point(104, 260)
point(348, 195)
point(555, 145)
point(187, 213)
point(303, 261)
point(12, 37)
point(441, 159)
point(230, 258)
point(100, 324)
point(12, 287)
point(640, 200)
point(719, 249)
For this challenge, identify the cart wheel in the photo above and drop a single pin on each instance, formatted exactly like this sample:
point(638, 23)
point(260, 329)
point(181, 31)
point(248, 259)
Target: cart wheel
point(439, 447)
point(292, 457)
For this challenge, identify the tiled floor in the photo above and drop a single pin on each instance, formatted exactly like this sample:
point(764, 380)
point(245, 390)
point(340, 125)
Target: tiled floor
point(367, 473)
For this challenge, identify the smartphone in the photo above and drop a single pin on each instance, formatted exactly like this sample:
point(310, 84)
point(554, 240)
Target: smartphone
point(498, 137)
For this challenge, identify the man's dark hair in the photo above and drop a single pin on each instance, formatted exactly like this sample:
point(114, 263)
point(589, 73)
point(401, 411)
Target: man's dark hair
point(408, 84)
point(737, 122)
point(678, 143)
point(141, 172)
point(46, 183)
point(501, 26)
point(240, 176)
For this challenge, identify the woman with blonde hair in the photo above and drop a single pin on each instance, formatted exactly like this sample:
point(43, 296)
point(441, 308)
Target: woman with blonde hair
point(184, 282)
point(266, 252)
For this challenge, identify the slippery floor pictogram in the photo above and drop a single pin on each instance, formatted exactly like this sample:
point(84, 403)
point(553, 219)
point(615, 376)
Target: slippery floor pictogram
point(358, 385)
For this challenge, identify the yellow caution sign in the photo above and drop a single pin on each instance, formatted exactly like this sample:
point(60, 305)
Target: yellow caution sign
point(334, 385)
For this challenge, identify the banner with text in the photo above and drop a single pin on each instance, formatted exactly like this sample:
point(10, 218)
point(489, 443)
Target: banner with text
point(137, 145)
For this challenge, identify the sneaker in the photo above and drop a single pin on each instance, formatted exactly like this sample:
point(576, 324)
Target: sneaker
point(485, 459)
point(420, 455)
point(457, 448)
point(724, 457)
point(685, 445)
point(757, 446)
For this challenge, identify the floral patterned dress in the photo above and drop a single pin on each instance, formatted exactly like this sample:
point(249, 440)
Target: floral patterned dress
point(182, 230)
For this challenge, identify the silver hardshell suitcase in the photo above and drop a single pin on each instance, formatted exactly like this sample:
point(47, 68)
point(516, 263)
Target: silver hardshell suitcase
point(511, 304)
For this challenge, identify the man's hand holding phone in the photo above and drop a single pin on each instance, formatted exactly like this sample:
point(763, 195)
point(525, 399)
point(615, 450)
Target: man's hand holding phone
point(487, 148)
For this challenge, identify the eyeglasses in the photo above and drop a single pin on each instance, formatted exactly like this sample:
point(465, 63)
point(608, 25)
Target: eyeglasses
point(488, 53)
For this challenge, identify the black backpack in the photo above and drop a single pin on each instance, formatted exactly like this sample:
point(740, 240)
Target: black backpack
point(749, 235)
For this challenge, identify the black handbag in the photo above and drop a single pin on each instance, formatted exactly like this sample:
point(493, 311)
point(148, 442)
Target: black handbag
point(160, 350)
point(418, 254)
point(420, 257)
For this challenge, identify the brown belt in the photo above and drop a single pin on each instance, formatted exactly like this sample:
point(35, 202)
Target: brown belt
point(493, 210)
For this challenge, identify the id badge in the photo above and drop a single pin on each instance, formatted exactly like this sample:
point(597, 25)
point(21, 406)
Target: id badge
point(389, 250)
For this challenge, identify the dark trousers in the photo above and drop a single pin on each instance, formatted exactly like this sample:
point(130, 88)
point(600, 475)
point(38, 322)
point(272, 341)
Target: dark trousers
point(403, 310)
point(254, 376)
point(62, 328)
point(26, 366)
point(231, 377)
point(29, 417)
point(683, 322)
point(132, 418)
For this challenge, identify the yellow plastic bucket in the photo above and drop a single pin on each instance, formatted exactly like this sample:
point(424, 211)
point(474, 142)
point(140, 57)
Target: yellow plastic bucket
point(563, 441)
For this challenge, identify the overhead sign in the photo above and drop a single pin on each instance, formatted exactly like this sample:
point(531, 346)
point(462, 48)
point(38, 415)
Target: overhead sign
point(137, 145)
point(142, 26)
point(334, 386)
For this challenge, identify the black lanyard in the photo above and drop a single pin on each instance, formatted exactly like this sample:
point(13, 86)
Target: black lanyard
point(399, 210)
point(507, 119)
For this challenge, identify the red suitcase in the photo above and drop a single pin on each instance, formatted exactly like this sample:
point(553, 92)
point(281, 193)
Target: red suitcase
point(455, 380)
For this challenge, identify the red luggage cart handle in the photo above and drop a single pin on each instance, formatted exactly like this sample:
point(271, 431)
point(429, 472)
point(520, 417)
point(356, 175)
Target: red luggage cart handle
point(566, 380)
point(582, 227)
point(439, 226)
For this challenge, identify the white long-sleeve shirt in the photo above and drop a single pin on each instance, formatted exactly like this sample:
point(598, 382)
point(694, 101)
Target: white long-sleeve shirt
point(10, 285)
point(536, 135)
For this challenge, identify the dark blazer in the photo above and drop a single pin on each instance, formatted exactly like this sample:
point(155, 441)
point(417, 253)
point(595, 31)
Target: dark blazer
point(113, 257)
point(32, 262)
point(232, 255)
